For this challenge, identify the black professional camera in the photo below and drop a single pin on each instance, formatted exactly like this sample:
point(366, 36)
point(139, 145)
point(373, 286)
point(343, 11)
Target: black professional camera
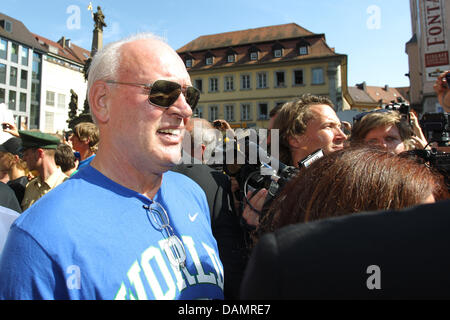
point(254, 169)
point(440, 161)
point(436, 127)
point(402, 107)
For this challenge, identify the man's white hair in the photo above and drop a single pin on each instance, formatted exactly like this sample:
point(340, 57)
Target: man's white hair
point(105, 64)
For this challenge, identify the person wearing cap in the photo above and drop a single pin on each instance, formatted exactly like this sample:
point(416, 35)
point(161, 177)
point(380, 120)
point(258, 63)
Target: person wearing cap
point(39, 153)
point(16, 168)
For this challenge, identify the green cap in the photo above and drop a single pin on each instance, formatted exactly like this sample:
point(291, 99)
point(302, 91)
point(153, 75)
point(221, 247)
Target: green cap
point(36, 139)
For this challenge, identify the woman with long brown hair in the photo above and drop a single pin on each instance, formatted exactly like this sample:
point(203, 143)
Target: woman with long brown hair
point(353, 180)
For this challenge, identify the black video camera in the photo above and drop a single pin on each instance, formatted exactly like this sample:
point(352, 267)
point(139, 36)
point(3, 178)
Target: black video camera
point(254, 169)
point(402, 107)
point(436, 159)
point(436, 127)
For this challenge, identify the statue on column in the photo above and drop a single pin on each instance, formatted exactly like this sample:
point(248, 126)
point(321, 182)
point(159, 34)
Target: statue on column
point(99, 19)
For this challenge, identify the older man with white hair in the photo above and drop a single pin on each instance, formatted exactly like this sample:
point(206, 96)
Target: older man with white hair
point(123, 227)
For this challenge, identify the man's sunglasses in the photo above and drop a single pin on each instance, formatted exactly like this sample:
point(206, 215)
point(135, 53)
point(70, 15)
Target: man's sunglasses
point(164, 93)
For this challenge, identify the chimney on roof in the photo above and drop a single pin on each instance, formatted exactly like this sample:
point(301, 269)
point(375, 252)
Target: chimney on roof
point(362, 86)
point(62, 42)
point(65, 43)
point(386, 87)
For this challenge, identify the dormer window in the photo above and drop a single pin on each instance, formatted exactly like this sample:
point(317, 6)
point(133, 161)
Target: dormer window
point(188, 63)
point(253, 53)
point(7, 25)
point(209, 58)
point(277, 50)
point(302, 48)
point(231, 55)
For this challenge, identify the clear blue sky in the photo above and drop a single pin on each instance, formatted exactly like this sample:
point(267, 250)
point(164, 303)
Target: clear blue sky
point(372, 33)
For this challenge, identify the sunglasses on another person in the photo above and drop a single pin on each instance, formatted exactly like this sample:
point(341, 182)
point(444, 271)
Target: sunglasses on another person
point(361, 115)
point(164, 93)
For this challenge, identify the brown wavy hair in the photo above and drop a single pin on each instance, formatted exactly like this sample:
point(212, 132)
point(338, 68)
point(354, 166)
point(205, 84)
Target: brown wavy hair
point(353, 180)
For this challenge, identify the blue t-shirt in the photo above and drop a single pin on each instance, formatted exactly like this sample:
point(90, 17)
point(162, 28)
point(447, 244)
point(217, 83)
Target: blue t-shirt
point(91, 238)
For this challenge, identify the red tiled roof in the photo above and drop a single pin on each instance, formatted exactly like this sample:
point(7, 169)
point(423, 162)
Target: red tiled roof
point(288, 37)
point(386, 94)
point(242, 37)
point(72, 52)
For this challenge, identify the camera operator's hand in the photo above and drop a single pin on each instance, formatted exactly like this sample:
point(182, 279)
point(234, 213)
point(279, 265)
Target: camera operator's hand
point(419, 141)
point(257, 201)
point(10, 128)
point(442, 89)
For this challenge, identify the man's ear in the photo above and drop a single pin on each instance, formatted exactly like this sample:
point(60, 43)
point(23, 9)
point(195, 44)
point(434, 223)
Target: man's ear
point(97, 101)
point(296, 141)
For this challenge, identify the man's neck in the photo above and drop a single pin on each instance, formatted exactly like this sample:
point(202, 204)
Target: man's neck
point(48, 168)
point(125, 174)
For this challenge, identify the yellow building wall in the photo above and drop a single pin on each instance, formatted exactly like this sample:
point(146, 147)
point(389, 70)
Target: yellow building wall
point(271, 95)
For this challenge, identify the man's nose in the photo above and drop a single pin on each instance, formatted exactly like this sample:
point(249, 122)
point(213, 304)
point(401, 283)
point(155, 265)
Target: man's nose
point(181, 107)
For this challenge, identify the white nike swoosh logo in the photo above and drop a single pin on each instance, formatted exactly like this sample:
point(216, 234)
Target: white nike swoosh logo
point(192, 218)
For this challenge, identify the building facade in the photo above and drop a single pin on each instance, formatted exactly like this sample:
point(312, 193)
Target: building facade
point(242, 75)
point(37, 76)
point(20, 72)
point(62, 69)
point(428, 51)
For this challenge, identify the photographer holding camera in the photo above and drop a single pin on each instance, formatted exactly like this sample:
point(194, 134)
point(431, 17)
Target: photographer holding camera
point(442, 89)
point(387, 129)
point(305, 125)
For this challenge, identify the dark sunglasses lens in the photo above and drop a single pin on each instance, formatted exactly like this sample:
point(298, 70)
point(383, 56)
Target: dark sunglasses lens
point(192, 96)
point(164, 93)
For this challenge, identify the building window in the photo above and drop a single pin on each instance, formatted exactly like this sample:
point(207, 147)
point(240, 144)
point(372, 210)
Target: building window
point(278, 53)
point(213, 85)
point(23, 79)
point(13, 77)
point(198, 83)
point(61, 100)
point(263, 111)
point(298, 77)
point(254, 55)
point(246, 112)
point(213, 113)
point(231, 58)
point(50, 98)
point(49, 121)
point(303, 50)
point(209, 61)
point(198, 113)
point(24, 59)
point(261, 80)
point(2, 73)
point(245, 82)
point(317, 76)
point(229, 83)
point(15, 52)
point(3, 49)
point(23, 102)
point(189, 63)
point(280, 79)
point(12, 100)
point(2, 95)
point(229, 113)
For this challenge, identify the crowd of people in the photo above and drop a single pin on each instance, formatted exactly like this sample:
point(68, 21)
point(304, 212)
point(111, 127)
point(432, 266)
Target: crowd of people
point(128, 207)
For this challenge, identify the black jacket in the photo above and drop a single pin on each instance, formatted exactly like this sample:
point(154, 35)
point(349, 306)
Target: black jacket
point(382, 255)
